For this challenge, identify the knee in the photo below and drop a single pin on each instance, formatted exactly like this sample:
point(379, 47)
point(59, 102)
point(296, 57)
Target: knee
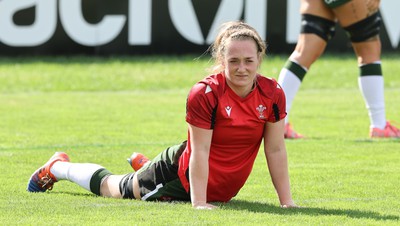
point(364, 30)
point(110, 186)
point(323, 28)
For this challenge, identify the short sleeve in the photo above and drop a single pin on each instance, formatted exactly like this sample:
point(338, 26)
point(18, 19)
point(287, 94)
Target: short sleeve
point(200, 106)
point(278, 105)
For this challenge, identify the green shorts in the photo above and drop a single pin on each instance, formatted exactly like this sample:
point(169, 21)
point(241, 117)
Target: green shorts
point(159, 180)
point(335, 3)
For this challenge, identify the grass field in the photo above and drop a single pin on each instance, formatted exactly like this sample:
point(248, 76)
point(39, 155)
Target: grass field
point(102, 109)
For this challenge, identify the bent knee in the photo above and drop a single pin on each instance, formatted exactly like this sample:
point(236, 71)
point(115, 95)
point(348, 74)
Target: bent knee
point(110, 186)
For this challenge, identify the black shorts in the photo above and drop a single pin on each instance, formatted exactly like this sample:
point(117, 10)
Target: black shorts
point(158, 180)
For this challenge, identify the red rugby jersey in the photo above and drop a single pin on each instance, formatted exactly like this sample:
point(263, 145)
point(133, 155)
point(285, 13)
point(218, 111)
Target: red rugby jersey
point(238, 127)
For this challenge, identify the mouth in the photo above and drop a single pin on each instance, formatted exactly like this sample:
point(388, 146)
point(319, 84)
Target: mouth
point(241, 76)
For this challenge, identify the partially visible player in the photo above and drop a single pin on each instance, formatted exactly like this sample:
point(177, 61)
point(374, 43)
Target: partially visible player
point(361, 20)
point(229, 114)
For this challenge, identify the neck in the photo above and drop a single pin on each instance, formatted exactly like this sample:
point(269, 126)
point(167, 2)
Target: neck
point(242, 91)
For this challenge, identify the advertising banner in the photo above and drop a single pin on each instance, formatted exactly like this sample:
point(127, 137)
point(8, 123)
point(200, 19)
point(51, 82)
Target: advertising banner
point(135, 27)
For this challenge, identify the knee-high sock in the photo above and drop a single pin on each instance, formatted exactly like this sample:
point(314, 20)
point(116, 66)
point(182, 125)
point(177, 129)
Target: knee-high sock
point(290, 79)
point(79, 173)
point(372, 88)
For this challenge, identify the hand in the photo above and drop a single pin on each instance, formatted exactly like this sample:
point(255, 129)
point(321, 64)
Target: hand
point(287, 206)
point(203, 206)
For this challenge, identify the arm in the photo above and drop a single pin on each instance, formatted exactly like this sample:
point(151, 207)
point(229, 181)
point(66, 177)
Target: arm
point(275, 152)
point(200, 141)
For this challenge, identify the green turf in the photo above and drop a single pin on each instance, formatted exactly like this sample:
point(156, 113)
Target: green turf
point(102, 109)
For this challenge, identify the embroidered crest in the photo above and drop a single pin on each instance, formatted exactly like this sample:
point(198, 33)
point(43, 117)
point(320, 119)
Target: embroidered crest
point(261, 108)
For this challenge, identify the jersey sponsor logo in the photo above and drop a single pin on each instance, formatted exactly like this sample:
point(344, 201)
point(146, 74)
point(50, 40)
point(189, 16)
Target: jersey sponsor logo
point(261, 108)
point(228, 110)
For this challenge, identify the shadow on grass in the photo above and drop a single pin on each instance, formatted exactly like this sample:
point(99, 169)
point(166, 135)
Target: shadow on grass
point(259, 207)
point(377, 140)
point(76, 194)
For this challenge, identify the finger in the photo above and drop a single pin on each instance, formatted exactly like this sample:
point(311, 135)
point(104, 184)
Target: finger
point(206, 207)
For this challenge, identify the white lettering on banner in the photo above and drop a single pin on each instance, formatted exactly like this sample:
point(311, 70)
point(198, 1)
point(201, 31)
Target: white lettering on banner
point(228, 10)
point(36, 34)
point(139, 32)
point(293, 21)
point(256, 15)
point(185, 21)
point(84, 33)
point(388, 12)
point(139, 21)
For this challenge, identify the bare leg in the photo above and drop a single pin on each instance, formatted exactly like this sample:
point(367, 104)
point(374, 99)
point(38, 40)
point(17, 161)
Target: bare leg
point(110, 187)
point(368, 53)
point(308, 49)
point(310, 46)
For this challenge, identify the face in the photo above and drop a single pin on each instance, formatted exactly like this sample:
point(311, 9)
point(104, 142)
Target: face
point(241, 63)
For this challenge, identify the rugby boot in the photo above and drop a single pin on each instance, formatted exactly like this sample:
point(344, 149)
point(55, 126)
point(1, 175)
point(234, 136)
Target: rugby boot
point(389, 131)
point(42, 179)
point(290, 133)
point(137, 161)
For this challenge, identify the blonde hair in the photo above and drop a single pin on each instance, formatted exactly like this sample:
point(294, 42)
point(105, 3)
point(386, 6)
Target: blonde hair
point(234, 30)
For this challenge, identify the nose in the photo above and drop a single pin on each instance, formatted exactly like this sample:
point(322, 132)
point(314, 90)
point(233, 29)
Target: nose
point(241, 67)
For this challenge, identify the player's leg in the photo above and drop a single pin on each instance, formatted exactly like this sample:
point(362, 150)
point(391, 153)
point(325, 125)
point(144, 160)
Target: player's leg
point(361, 20)
point(87, 175)
point(159, 179)
point(318, 27)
